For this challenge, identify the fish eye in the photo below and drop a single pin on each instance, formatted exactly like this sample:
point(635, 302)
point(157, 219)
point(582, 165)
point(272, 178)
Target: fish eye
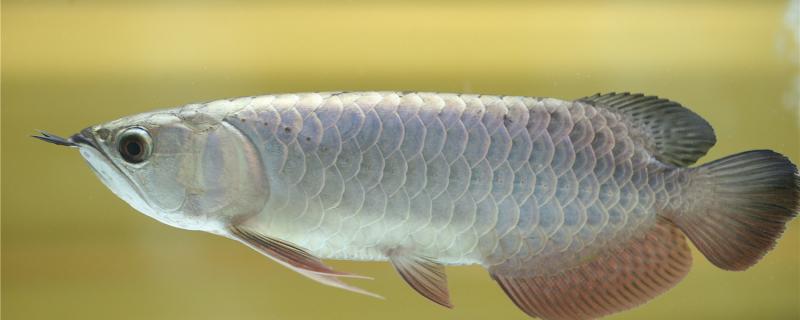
point(134, 145)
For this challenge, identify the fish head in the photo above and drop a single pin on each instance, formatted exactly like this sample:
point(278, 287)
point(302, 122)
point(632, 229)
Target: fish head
point(193, 172)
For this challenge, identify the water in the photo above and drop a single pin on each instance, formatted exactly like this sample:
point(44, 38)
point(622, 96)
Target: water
point(70, 249)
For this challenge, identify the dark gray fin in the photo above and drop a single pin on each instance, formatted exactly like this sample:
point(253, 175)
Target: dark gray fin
point(744, 202)
point(675, 135)
point(424, 275)
point(286, 253)
point(619, 279)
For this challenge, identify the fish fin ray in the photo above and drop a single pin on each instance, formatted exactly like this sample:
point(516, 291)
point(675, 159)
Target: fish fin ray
point(675, 134)
point(619, 279)
point(336, 282)
point(285, 253)
point(424, 275)
point(748, 198)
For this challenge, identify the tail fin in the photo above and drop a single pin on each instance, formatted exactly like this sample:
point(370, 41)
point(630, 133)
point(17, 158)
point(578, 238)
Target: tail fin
point(744, 204)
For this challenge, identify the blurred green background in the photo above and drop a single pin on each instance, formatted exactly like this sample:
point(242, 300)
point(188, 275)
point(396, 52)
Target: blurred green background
point(72, 250)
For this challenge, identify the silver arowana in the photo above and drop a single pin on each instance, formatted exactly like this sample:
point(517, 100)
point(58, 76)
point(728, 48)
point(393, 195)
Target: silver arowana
point(578, 209)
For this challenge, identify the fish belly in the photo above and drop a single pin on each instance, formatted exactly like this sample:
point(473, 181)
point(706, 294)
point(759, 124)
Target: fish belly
point(459, 178)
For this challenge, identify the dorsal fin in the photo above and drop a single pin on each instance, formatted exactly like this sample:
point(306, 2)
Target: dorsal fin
point(675, 135)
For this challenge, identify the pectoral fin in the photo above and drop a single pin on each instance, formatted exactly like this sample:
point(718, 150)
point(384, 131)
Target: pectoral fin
point(424, 275)
point(297, 259)
point(334, 281)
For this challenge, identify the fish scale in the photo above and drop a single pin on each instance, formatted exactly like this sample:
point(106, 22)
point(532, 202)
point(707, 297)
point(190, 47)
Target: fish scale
point(469, 153)
point(578, 209)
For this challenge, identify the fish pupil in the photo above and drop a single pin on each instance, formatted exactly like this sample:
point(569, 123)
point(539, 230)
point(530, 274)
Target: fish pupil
point(133, 148)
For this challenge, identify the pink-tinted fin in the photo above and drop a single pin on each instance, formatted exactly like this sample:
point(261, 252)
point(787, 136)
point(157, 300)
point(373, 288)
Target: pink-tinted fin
point(741, 206)
point(618, 279)
point(424, 275)
point(286, 253)
point(334, 281)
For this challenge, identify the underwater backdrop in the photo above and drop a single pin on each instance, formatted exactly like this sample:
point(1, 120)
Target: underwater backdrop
point(71, 249)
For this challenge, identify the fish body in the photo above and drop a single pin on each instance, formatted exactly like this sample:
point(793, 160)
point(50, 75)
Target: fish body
point(465, 179)
point(578, 209)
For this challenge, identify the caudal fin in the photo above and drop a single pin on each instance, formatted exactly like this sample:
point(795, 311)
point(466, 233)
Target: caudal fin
point(743, 204)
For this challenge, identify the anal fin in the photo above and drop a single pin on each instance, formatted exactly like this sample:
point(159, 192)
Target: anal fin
point(424, 275)
point(297, 259)
point(619, 279)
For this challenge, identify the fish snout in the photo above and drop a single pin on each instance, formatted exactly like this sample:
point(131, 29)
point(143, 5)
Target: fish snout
point(84, 138)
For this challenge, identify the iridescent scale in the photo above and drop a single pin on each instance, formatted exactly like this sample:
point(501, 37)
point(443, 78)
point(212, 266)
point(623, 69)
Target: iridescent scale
point(463, 178)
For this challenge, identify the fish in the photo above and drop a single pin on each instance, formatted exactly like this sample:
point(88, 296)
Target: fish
point(578, 208)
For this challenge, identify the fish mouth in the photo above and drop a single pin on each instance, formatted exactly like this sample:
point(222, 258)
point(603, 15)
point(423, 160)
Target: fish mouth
point(84, 138)
point(97, 156)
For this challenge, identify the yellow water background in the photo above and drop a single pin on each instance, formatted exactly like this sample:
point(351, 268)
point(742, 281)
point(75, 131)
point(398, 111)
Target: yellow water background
point(72, 250)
